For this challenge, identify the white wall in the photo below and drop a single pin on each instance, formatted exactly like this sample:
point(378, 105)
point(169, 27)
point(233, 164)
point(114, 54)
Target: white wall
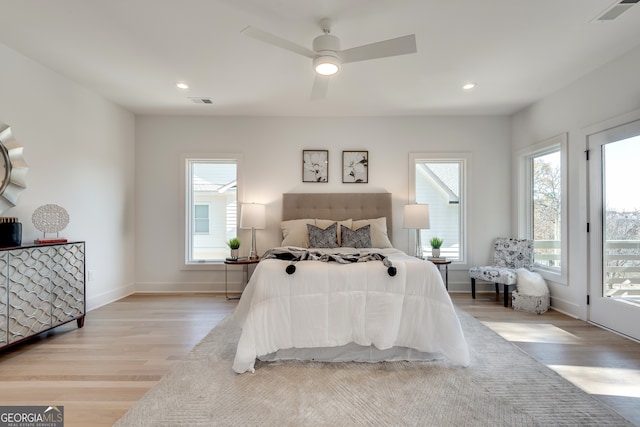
point(80, 152)
point(272, 151)
point(608, 92)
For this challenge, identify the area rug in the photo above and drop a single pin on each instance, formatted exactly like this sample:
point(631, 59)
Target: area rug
point(503, 386)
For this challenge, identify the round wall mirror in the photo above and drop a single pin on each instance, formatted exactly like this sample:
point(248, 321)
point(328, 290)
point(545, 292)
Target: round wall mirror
point(13, 169)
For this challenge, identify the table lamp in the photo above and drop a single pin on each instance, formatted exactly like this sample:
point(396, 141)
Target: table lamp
point(252, 215)
point(416, 217)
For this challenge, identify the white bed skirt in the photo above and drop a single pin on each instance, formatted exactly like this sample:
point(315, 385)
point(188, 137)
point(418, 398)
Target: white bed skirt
point(351, 352)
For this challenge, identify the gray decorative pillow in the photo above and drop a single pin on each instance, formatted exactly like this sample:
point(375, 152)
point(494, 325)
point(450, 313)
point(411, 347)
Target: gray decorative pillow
point(360, 238)
point(319, 238)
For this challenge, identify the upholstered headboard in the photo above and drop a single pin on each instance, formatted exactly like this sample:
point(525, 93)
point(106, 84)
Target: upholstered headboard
point(338, 206)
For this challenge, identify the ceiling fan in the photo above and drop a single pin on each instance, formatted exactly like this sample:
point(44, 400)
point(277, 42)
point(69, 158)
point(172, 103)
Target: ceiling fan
point(327, 56)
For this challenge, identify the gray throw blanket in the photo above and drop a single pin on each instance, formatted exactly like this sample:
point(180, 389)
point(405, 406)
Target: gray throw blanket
point(295, 255)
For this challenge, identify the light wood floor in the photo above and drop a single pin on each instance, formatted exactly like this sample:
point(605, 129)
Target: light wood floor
point(600, 362)
point(98, 372)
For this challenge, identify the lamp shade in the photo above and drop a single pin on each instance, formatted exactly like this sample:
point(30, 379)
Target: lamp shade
point(252, 215)
point(416, 216)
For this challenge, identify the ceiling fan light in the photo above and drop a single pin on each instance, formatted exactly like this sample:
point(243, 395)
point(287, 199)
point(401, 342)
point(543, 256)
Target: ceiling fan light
point(326, 65)
point(326, 69)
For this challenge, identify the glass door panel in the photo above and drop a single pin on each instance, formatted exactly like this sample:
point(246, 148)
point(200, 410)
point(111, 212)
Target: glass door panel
point(621, 228)
point(614, 241)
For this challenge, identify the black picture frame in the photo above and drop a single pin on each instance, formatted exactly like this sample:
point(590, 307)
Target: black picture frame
point(315, 166)
point(355, 167)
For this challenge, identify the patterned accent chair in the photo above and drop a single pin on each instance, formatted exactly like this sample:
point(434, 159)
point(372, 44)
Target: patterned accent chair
point(508, 255)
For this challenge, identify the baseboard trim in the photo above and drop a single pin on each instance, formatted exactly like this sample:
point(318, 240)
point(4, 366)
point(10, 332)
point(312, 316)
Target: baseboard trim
point(190, 287)
point(109, 297)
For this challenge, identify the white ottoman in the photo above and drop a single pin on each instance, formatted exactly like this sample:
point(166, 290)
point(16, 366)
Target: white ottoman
point(530, 303)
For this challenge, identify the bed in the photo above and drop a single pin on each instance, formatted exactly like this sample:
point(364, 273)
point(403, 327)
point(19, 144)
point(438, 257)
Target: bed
point(389, 307)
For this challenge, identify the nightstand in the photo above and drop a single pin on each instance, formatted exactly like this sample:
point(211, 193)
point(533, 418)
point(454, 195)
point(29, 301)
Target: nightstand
point(445, 262)
point(245, 263)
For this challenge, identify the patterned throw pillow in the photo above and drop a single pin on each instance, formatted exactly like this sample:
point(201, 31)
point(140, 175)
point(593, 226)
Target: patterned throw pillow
point(319, 238)
point(360, 238)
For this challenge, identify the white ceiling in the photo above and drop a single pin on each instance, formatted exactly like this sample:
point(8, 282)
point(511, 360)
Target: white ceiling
point(134, 51)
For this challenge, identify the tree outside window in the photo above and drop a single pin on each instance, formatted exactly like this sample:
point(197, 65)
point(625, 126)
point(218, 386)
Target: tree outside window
point(542, 214)
point(547, 209)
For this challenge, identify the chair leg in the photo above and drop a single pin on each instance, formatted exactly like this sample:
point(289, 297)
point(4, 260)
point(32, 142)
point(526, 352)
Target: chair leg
point(497, 288)
point(507, 289)
point(473, 288)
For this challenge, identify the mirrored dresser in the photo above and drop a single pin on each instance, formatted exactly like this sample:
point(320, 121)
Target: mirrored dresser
point(41, 287)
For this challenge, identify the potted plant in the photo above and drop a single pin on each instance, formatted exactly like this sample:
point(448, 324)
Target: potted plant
point(435, 242)
point(234, 245)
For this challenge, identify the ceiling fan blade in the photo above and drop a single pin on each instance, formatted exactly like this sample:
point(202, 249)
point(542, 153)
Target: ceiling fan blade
point(320, 87)
point(393, 47)
point(277, 41)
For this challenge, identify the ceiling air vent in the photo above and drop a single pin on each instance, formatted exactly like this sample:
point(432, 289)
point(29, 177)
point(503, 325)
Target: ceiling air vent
point(616, 10)
point(198, 100)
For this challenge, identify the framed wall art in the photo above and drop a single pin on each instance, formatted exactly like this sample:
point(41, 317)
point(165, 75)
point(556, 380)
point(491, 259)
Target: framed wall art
point(315, 165)
point(355, 167)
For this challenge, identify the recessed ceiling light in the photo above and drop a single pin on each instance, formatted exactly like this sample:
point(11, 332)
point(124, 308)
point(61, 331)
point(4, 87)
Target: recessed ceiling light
point(181, 85)
point(468, 86)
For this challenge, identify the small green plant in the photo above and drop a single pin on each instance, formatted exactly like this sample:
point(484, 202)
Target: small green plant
point(233, 243)
point(436, 242)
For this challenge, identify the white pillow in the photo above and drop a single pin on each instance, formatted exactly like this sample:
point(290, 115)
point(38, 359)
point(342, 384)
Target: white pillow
point(379, 236)
point(324, 223)
point(294, 232)
point(531, 283)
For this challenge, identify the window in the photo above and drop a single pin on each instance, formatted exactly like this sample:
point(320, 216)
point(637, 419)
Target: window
point(201, 219)
point(542, 210)
point(439, 180)
point(546, 197)
point(211, 207)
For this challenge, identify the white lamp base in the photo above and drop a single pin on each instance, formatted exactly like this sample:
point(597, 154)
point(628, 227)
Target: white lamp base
point(253, 254)
point(418, 249)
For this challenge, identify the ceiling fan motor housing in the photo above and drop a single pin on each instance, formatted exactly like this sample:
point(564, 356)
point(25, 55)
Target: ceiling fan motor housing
point(326, 45)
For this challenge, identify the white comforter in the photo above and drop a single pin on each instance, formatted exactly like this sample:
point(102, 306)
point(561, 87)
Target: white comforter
point(329, 304)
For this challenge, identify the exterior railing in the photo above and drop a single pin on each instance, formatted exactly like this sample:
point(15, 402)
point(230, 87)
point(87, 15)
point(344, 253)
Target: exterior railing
point(621, 259)
point(547, 253)
point(621, 264)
